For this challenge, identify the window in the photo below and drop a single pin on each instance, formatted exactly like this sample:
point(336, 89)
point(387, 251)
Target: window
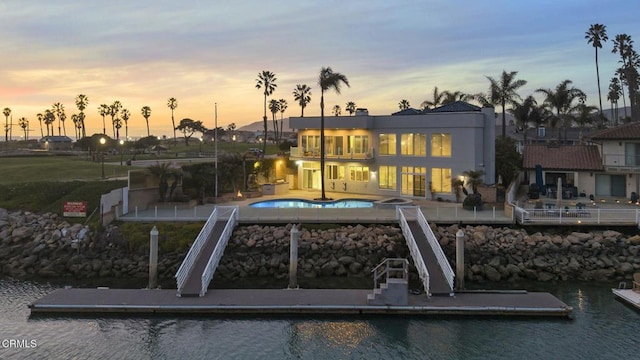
point(311, 145)
point(541, 131)
point(359, 173)
point(441, 180)
point(387, 178)
point(413, 144)
point(632, 154)
point(335, 172)
point(387, 144)
point(413, 181)
point(358, 144)
point(333, 145)
point(441, 145)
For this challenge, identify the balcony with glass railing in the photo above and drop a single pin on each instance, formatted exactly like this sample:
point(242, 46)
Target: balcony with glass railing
point(622, 163)
point(297, 153)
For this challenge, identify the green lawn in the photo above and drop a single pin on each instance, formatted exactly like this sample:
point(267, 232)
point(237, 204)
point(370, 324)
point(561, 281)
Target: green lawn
point(23, 169)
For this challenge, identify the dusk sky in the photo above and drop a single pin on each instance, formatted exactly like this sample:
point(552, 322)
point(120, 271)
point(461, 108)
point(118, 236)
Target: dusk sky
point(205, 52)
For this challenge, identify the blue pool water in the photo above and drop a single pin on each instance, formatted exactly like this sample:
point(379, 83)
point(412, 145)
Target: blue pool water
point(299, 203)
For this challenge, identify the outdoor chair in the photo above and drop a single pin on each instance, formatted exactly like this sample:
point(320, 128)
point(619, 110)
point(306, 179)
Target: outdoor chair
point(636, 282)
point(581, 209)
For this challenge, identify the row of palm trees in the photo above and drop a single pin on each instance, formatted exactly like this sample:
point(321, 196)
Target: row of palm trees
point(627, 74)
point(328, 79)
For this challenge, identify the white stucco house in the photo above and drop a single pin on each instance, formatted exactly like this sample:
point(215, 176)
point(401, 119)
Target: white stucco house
point(398, 155)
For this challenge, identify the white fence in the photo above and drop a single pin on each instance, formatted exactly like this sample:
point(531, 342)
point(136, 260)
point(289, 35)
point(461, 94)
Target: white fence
point(584, 216)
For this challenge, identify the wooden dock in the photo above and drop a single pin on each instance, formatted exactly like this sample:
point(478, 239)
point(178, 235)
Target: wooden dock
point(290, 302)
point(628, 296)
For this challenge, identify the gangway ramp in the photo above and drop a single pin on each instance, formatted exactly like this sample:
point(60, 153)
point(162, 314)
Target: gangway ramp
point(433, 266)
point(197, 268)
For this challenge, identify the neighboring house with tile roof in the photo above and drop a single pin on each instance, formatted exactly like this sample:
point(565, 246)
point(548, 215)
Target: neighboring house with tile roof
point(397, 155)
point(575, 165)
point(620, 151)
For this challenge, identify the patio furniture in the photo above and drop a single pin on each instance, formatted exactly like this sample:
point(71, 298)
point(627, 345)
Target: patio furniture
point(552, 210)
point(581, 210)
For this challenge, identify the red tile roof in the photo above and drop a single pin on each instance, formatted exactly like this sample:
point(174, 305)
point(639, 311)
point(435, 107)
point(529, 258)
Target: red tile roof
point(626, 131)
point(567, 157)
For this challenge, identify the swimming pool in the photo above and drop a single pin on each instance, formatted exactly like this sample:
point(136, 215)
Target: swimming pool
point(300, 203)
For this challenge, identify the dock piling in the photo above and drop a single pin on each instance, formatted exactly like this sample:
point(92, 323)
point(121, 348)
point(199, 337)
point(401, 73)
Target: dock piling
point(460, 259)
point(153, 258)
point(293, 258)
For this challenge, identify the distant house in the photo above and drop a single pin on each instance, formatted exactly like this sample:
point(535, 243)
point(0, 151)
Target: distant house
point(56, 143)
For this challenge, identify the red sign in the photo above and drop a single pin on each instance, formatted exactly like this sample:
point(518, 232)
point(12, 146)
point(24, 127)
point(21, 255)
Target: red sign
point(74, 209)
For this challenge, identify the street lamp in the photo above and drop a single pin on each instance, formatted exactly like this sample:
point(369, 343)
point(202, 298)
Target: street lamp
point(102, 142)
point(121, 151)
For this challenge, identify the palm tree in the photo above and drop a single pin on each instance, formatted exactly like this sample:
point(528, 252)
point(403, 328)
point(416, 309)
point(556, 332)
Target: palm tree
point(503, 92)
point(76, 125)
point(274, 107)
point(49, 118)
point(58, 109)
point(114, 110)
point(561, 100)
point(302, 94)
point(267, 81)
point(437, 100)
point(596, 35)
point(146, 113)
point(404, 104)
point(327, 80)
point(585, 115)
point(283, 106)
point(40, 117)
point(452, 96)
point(6, 113)
point(336, 110)
point(350, 107)
point(615, 91)
point(117, 123)
point(525, 114)
point(621, 77)
point(103, 110)
point(125, 115)
point(474, 178)
point(81, 103)
point(24, 124)
point(623, 45)
point(172, 103)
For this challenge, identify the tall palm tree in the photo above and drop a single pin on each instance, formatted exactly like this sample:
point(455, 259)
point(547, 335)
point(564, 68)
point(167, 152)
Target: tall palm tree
point(561, 100)
point(172, 103)
point(623, 45)
point(350, 107)
point(327, 80)
point(58, 109)
point(404, 104)
point(302, 94)
point(75, 119)
point(114, 110)
point(49, 118)
point(503, 92)
point(24, 124)
point(40, 117)
point(125, 115)
point(436, 99)
point(596, 35)
point(146, 113)
point(6, 113)
point(621, 77)
point(615, 91)
point(81, 103)
point(118, 125)
point(267, 81)
point(103, 110)
point(283, 106)
point(274, 107)
point(336, 110)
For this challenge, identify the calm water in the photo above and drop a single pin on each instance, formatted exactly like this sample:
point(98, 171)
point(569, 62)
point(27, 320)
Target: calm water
point(602, 329)
point(298, 203)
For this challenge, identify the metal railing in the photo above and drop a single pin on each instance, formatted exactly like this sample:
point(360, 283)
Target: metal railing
point(437, 249)
point(413, 248)
point(390, 269)
point(194, 251)
point(230, 212)
point(577, 216)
